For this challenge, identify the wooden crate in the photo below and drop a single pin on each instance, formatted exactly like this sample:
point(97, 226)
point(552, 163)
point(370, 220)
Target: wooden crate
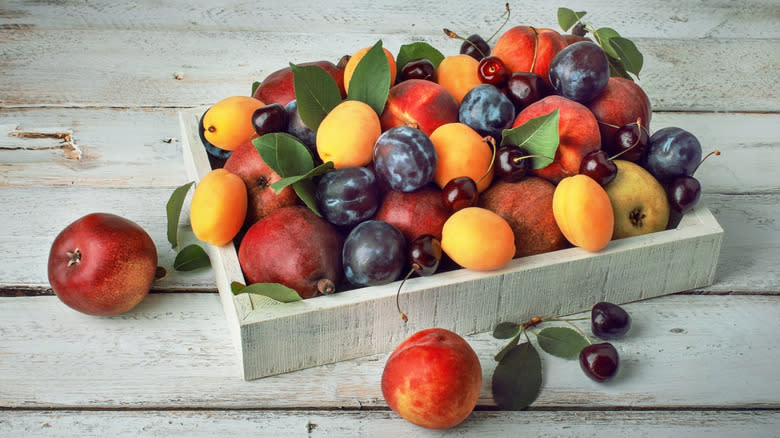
point(273, 338)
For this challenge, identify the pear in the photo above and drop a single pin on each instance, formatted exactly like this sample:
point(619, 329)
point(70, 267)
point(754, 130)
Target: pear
point(638, 200)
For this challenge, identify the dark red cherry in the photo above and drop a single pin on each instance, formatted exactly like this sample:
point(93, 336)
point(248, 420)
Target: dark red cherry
point(475, 46)
point(684, 193)
point(609, 321)
point(425, 254)
point(491, 70)
point(459, 193)
point(597, 165)
point(269, 118)
point(510, 165)
point(631, 142)
point(421, 68)
point(524, 88)
point(599, 361)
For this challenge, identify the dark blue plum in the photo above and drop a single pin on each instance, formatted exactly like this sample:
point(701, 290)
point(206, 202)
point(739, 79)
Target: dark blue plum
point(298, 129)
point(487, 110)
point(672, 152)
point(348, 195)
point(374, 253)
point(404, 158)
point(216, 155)
point(580, 71)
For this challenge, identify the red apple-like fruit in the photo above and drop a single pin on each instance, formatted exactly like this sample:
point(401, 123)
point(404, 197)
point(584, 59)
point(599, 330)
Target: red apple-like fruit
point(578, 134)
point(420, 103)
point(246, 162)
point(433, 379)
point(102, 264)
point(415, 213)
point(278, 87)
point(528, 49)
point(621, 102)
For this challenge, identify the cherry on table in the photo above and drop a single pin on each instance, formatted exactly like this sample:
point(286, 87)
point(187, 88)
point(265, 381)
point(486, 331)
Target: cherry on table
point(459, 193)
point(600, 362)
point(609, 321)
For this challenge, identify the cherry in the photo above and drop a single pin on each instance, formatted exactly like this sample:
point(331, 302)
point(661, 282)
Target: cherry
point(269, 118)
point(631, 141)
point(525, 88)
point(599, 361)
point(579, 29)
point(425, 254)
point(459, 193)
point(491, 70)
point(599, 166)
point(421, 68)
point(609, 321)
point(684, 191)
point(475, 46)
point(512, 163)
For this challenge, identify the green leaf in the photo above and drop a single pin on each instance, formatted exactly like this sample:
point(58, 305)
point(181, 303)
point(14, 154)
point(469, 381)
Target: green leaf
point(173, 208)
point(191, 257)
point(616, 68)
point(285, 154)
point(568, 18)
point(316, 93)
point(538, 135)
point(509, 346)
point(284, 182)
point(370, 82)
point(561, 342)
point(236, 287)
point(602, 36)
point(628, 54)
point(305, 189)
point(276, 291)
point(517, 378)
point(255, 84)
point(417, 50)
point(506, 330)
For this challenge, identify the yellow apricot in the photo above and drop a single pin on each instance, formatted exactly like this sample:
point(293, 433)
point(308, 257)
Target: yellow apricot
point(218, 207)
point(476, 238)
point(583, 212)
point(458, 74)
point(461, 151)
point(349, 69)
point(228, 123)
point(346, 136)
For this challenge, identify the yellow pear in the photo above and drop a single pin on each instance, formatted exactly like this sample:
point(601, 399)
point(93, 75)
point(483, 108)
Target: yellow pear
point(638, 200)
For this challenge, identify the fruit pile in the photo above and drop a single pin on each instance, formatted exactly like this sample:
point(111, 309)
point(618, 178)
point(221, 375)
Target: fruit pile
point(334, 176)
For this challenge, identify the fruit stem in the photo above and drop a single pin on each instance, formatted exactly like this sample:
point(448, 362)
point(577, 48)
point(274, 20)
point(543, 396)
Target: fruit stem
point(75, 257)
point(517, 159)
point(638, 139)
point(715, 152)
point(536, 48)
point(452, 34)
point(492, 142)
point(398, 293)
point(507, 12)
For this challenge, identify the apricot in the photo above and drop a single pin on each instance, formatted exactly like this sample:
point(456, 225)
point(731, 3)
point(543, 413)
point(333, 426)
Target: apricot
point(228, 123)
point(349, 69)
point(462, 151)
point(346, 136)
point(583, 212)
point(218, 208)
point(458, 74)
point(476, 238)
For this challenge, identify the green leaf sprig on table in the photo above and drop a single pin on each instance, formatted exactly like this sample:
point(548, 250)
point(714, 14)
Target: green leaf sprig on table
point(192, 256)
point(623, 55)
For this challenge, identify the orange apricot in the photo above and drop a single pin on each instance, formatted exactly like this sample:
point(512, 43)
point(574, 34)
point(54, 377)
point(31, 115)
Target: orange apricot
point(461, 151)
point(228, 123)
point(476, 238)
point(346, 136)
point(349, 69)
point(583, 212)
point(218, 207)
point(458, 74)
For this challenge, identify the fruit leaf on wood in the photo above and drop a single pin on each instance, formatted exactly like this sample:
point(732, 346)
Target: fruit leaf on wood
point(173, 210)
point(276, 291)
point(562, 342)
point(517, 378)
point(370, 82)
point(316, 93)
point(506, 330)
point(417, 50)
point(538, 135)
point(191, 257)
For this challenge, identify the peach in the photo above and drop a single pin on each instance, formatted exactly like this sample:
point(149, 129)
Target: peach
point(528, 49)
point(621, 102)
point(433, 379)
point(420, 103)
point(578, 133)
point(279, 87)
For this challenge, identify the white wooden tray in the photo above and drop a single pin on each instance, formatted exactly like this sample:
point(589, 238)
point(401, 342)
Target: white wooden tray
point(278, 338)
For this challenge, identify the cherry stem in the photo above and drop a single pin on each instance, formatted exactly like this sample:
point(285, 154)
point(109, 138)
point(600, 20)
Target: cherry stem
point(715, 152)
point(517, 159)
point(638, 138)
point(452, 34)
point(507, 12)
point(492, 142)
point(415, 267)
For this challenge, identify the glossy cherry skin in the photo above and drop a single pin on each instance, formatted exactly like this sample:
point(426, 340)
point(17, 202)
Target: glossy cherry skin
point(684, 193)
point(491, 70)
point(425, 254)
point(597, 165)
point(631, 142)
point(421, 68)
point(609, 321)
point(600, 362)
point(524, 89)
point(510, 165)
point(269, 118)
point(459, 193)
point(476, 47)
